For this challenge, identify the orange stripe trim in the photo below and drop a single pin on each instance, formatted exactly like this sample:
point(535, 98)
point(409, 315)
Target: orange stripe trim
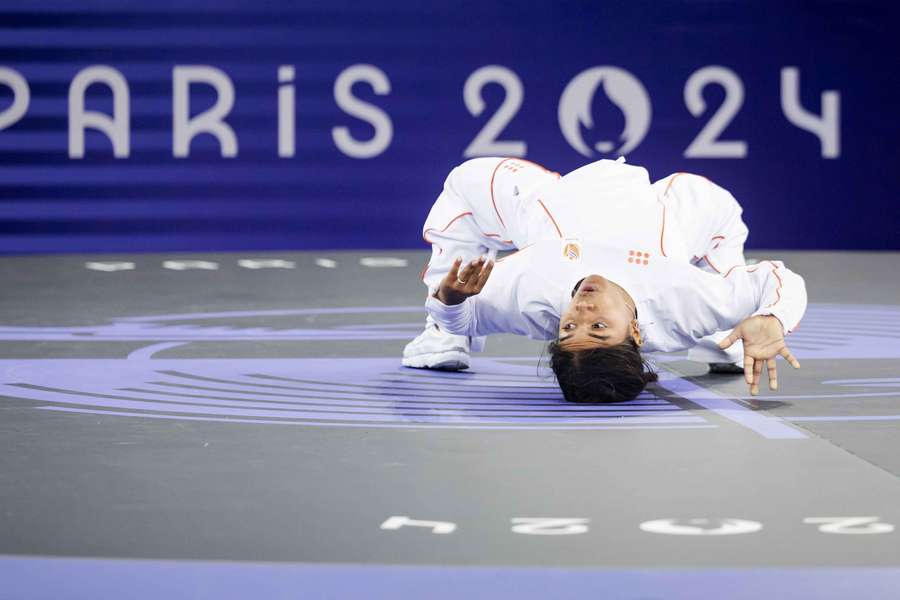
point(774, 272)
point(753, 270)
point(780, 283)
point(447, 226)
point(671, 181)
point(497, 168)
point(499, 164)
point(717, 237)
point(551, 218)
point(709, 262)
point(662, 233)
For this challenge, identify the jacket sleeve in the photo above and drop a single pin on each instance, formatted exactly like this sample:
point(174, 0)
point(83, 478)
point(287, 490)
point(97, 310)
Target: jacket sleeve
point(465, 220)
point(781, 292)
point(458, 319)
point(483, 314)
point(514, 300)
point(697, 304)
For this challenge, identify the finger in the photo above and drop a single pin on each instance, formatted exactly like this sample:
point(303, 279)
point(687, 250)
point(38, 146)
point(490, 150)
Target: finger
point(757, 375)
point(477, 267)
point(773, 374)
point(789, 357)
point(466, 273)
point(454, 269)
point(734, 336)
point(485, 273)
point(731, 339)
point(474, 282)
point(748, 369)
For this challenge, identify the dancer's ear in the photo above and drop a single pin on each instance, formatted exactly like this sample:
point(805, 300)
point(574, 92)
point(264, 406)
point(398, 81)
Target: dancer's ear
point(636, 333)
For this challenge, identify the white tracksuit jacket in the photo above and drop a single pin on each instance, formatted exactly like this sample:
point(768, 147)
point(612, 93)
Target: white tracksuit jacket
point(683, 235)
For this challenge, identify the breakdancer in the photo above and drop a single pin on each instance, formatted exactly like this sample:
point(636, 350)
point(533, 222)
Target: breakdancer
point(686, 284)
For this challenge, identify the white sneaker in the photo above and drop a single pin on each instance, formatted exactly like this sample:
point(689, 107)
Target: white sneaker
point(434, 349)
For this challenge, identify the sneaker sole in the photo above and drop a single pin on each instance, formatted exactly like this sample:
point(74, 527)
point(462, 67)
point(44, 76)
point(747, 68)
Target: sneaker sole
point(442, 361)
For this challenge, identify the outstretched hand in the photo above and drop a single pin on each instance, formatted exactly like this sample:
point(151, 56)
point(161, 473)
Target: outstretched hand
point(763, 339)
point(459, 285)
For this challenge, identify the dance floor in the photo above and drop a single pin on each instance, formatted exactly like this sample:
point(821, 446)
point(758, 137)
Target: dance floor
point(239, 425)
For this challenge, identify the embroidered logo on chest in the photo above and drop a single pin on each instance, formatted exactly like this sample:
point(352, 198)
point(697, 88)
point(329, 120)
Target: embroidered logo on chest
point(571, 251)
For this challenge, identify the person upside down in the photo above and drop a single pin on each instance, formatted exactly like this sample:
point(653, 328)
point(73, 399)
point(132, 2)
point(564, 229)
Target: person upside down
point(608, 266)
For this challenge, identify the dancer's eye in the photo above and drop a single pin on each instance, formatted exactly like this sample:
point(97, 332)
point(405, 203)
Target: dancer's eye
point(600, 325)
point(569, 326)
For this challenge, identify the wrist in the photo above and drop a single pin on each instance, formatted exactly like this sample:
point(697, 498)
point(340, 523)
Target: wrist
point(775, 319)
point(771, 317)
point(442, 297)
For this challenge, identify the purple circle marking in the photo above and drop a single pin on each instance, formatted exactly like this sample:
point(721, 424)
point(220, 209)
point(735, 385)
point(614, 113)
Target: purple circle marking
point(370, 392)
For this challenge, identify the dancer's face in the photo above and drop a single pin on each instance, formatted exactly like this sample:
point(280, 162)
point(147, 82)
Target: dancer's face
point(600, 314)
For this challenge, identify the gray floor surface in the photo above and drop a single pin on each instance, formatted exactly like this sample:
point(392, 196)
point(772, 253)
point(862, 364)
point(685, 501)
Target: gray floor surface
point(257, 411)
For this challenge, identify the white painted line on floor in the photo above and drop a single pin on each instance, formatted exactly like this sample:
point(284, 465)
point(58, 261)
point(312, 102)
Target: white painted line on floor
point(383, 261)
point(266, 263)
point(765, 425)
point(186, 265)
point(109, 266)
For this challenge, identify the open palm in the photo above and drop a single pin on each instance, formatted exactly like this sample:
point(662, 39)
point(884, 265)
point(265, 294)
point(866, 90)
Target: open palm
point(763, 338)
point(459, 284)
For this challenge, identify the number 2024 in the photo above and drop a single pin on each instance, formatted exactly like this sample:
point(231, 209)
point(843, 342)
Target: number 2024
point(626, 91)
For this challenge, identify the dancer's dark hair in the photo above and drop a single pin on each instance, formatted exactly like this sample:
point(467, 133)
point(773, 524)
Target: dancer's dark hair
point(603, 374)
